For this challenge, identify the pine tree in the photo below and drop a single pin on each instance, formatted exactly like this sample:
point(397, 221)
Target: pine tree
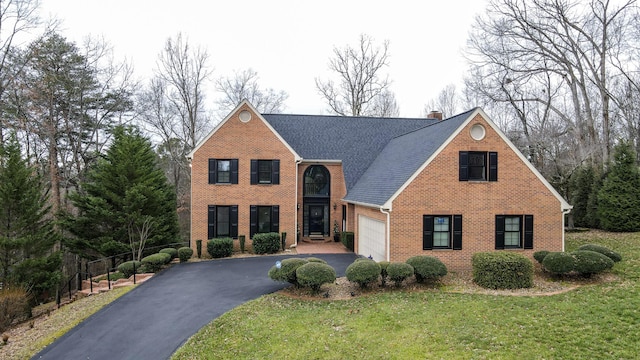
point(127, 202)
point(619, 196)
point(26, 231)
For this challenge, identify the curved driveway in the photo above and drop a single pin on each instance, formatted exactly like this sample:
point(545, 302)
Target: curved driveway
point(153, 320)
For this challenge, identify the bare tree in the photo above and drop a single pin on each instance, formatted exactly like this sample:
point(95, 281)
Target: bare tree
point(360, 88)
point(16, 18)
point(447, 102)
point(244, 85)
point(172, 107)
point(555, 59)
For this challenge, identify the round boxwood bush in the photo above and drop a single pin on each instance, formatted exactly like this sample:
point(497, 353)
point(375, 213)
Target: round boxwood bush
point(171, 251)
point(383, 272)
point(285, 271)
point(502, 270)
point(220, 247)
point(154, 262)
point(363, 272)
point(398, 272)
point(315, 259)
point(427, 268)
point(559, 263)
point(185, 253)
point(590, 262)
point(126, 268)
point(314, 274)
point(602, 250)
point(266, 243)
point(540, 255)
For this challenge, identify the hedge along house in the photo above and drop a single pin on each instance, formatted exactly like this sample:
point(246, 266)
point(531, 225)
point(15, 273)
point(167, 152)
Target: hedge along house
point(445, 188)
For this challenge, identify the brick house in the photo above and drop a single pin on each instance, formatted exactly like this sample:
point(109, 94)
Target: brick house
point(446, 188)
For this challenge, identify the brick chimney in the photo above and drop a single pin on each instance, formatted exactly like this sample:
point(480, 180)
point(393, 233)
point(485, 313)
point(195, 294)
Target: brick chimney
point(435, 115)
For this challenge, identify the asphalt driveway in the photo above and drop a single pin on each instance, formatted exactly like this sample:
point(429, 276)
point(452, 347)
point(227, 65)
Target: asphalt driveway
point(153, 320)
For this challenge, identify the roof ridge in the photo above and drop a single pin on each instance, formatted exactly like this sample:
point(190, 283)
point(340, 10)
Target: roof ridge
point(435, 123)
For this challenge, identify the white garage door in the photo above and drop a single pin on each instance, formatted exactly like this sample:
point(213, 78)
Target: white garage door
point(371, 234)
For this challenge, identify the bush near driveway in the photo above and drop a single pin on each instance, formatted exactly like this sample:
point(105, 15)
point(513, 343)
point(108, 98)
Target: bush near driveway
point(154, 262)
point(286, 270)
point(126, 268)
point(185, 253)
point(220, 247)
point(315, 274)
point(266, 243)
point(398, 272)
point(363, 272)
point(171, 251)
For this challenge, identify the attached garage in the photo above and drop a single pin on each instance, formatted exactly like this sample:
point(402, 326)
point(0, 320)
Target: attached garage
point(371, 238)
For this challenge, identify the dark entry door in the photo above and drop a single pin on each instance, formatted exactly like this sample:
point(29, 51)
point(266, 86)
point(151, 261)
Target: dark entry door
point(316, 219)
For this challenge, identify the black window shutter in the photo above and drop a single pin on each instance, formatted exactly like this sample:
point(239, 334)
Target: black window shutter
point(234, 171)
point(254, 172)
point(213, 168)
point(275, 172)
point(528, 231)
point(427, 232)
point(499, 232)
point(493, 166)
point(253, 217)
point(464, 166)
point(211, 228)
point(275, 218)
point(233, 220)
point(457, 232)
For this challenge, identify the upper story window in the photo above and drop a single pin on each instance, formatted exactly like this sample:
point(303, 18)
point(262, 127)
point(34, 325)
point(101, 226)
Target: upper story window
point(223, 171)
point(514, 231)
point(265, 172)
point(478, 166)
point(316, 181)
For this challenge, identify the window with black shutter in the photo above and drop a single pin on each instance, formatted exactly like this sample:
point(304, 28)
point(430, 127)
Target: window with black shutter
point(223, 171)
point(477, 166)
point(222, 221)
point(265, 172)
point(264, 219)
point(514, 232)
point(442, 232)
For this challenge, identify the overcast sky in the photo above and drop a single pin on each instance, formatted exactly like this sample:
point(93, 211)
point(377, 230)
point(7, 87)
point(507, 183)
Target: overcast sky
point(287, 42)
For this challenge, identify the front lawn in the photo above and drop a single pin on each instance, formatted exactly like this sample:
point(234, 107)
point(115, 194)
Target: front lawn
point(594, 321)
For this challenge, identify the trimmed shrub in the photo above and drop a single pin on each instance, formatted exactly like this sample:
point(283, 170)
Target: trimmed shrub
point(220, 247)
point(363, 272)
point(602, 250)
point(154, 262)
point(502, 270)
point(126, 268)
point(266, 243)
point(287, 270)
point(590, 262)
point(540, 255)
point(241, 240)
point(199, 248)
point(14, 305)
point(383, 272)
point(185, 253)
point(398, 272)
point(171, 251)
point(315, 259)
point(559, 263)
point(347, 239)
point(427, 268)
point(315, 274)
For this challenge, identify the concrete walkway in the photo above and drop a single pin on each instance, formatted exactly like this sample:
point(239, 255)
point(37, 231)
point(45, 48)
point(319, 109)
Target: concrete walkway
point(153, 320)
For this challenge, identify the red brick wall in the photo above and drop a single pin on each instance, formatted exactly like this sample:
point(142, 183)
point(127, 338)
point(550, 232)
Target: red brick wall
point(437, 191)
point(242, 141)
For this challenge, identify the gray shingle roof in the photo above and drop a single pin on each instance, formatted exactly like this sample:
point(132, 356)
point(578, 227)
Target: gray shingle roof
point(378, 154)
point(400, 159)
point(354, 140)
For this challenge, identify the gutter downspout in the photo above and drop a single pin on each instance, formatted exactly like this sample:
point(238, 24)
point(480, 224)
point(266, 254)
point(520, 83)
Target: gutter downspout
point(295, 205)
point(564, 212)
point(388, 233)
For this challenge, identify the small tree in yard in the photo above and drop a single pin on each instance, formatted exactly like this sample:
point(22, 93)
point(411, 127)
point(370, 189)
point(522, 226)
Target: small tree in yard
point(619, 197)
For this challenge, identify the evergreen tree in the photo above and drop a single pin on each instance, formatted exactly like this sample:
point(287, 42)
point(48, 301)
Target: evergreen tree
point(583, 184)
point(127, 202)
point(619, 197)
point(26, 231)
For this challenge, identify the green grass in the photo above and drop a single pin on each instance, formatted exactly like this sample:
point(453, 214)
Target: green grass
point(595, 322)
